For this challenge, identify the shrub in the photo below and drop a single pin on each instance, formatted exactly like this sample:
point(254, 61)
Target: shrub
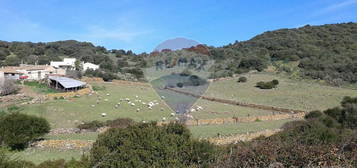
point(92, 125)
point(313, 114)
point(148, 145)
point(242, 79)
point(180, 85)
point(267, 85)
point(275, 82)
point(17, 130)
point(119, 123)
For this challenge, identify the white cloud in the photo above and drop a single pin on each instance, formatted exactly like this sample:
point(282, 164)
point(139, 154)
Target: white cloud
point(336, 6)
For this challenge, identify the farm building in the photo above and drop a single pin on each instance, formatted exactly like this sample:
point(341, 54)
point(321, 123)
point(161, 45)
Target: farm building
point(65, 84)
point(88, 65)
point(67, 63)
point(30, 72)
point(70, 64)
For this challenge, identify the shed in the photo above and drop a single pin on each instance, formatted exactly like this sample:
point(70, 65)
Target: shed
point(65, 84)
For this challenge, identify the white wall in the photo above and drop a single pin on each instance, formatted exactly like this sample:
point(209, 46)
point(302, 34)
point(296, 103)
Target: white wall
point(2, 79)
point(90, 66)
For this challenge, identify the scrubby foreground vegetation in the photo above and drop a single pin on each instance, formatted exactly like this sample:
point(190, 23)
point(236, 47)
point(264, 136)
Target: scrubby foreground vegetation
point(324, 138)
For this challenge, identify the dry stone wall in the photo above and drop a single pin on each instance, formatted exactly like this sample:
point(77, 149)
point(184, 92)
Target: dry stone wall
point(224, 140)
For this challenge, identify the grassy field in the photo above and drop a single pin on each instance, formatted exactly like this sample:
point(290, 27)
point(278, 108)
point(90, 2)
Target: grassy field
point(40, 155)
point(227, 129)
point(300, 95)
point(70, 112)
point(219, 110)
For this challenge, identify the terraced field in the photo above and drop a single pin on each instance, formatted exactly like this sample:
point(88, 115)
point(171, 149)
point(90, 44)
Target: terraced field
point(300, 95)
point(70, 112)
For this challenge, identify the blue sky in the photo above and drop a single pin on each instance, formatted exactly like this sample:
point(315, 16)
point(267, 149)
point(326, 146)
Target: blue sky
point(141, 25)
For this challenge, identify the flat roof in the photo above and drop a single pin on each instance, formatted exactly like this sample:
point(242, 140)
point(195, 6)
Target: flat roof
point(67, 82)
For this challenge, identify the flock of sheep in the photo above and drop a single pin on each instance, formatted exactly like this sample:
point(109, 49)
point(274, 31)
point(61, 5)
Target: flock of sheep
point(134, 103)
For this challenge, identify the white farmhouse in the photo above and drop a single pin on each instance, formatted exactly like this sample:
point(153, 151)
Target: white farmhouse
point(30, 72)
point(67, 63)
point(88, 65)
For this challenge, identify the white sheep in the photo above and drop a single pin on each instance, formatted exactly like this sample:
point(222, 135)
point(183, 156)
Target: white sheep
point(137, 110)
point(193, 110)
point(104, 114)
point(172, 114)
point(93, 105)
point(108, 94)
point(105, 99)
point(163, 118)
point(132, 104)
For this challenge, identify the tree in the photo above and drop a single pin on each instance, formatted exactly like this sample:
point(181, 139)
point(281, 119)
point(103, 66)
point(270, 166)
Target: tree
point(18, 130)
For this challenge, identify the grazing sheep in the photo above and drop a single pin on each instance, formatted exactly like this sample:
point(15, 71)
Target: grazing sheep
point(176, 118)
point(132, 104)
point(108, 94)
point(137, 110)
point(163, 118)
point(93, 105)
point(104, 114)
point(172, 114)
point(116, 106)
point(163, 97)
point(106, 100)
point(193, 110)
point(143, 103)
point(136, 96)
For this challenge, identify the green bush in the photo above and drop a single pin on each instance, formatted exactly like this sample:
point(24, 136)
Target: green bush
point(242, 79)
point(92, 125)
point(180, 85)
point(267, 85)
point(148, 145)
point(119, 123)
point(17, 130)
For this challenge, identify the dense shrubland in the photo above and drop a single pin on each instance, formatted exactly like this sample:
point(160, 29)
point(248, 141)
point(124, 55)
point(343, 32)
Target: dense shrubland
point(325, 52)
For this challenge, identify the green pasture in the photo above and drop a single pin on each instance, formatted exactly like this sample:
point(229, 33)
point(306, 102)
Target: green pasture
point(73, 111)
point(295, 94)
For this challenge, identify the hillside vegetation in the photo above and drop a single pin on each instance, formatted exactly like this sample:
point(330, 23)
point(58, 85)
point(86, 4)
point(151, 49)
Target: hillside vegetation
point(323, 52)
point(326, 52)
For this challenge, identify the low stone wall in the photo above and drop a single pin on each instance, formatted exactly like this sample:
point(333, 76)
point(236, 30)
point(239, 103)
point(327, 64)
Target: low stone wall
point(232, 102)
point(70, 94)
point(91, 79)
point(224, 140)
point(64, 144)
point(131, 83)
point(236, 120)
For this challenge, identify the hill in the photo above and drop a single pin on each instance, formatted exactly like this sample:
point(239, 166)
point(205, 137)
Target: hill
point(325, 52)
